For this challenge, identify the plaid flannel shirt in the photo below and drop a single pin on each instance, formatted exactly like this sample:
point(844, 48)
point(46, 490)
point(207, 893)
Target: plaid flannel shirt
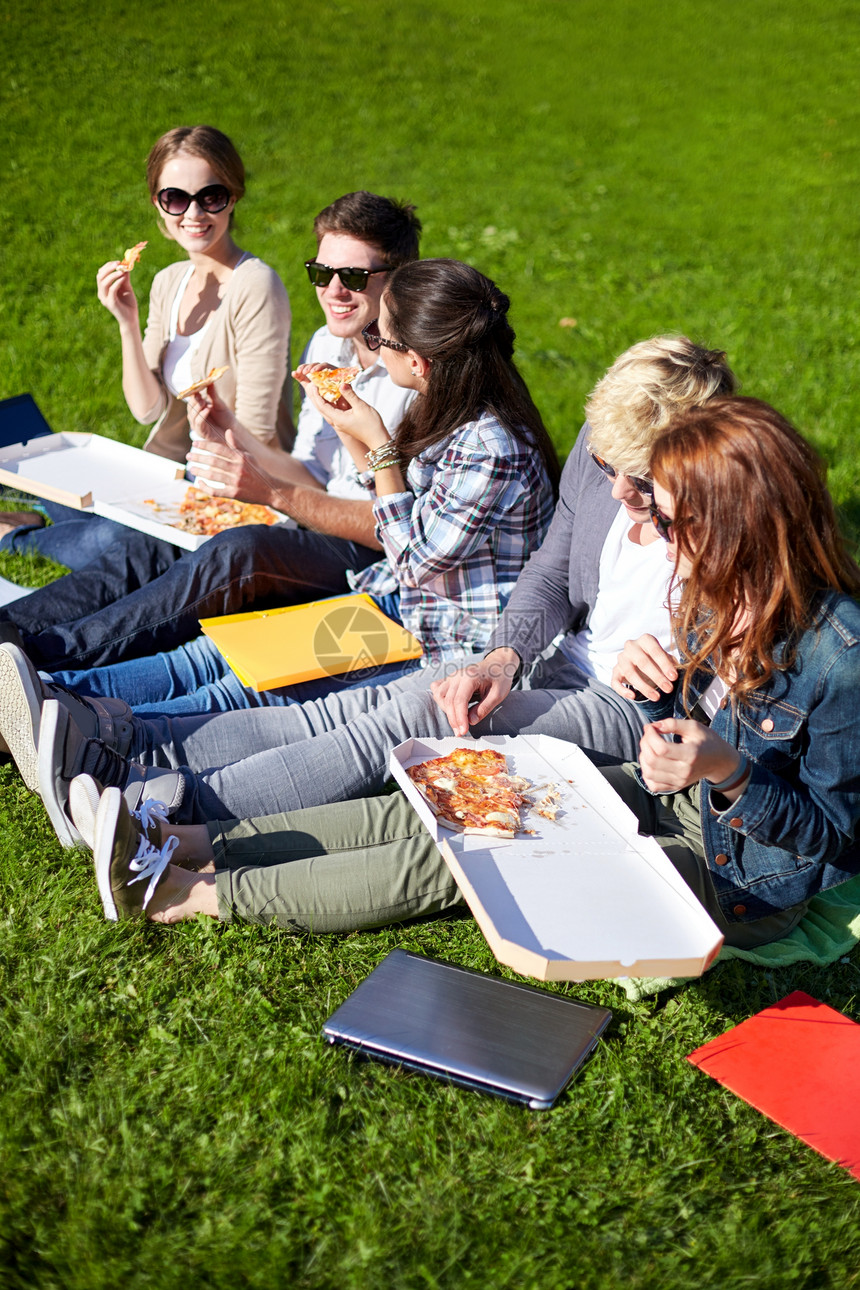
point(480, 503)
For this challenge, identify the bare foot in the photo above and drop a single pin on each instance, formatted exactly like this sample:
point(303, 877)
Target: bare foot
point(194, 866)
point(182, 895)
point(10, 520)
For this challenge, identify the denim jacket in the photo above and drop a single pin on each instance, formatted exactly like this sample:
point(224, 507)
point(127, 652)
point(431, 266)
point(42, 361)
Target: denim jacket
point(794, 830)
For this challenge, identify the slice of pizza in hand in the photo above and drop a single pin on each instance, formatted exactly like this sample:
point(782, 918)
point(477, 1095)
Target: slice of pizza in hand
point(209, 379)
point(131, 257)
point(331, 380)
point(470, 791)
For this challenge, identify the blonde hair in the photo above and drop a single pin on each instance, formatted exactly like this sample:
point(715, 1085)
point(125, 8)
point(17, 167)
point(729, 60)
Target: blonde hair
point(644, 389)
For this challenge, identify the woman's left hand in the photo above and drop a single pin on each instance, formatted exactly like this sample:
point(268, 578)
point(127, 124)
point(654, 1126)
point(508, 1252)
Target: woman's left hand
point(701, 754)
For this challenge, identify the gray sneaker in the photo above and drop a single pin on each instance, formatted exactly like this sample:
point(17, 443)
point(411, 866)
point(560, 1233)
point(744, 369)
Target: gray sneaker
point(84, 796)
point(65, 752)
point(128, 867)
point(22, 693)
point(20, 712)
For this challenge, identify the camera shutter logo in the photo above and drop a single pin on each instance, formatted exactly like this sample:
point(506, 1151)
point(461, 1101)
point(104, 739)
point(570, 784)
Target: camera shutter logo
point(349, 639)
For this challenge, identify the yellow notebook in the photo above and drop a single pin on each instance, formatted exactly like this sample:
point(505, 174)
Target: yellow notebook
point(274, 647)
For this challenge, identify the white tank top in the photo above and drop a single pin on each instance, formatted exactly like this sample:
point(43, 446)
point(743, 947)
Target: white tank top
point(180, 350)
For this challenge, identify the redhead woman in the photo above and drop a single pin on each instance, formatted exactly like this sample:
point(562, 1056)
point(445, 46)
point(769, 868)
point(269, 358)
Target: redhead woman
point(750, 763)
point(218, 306)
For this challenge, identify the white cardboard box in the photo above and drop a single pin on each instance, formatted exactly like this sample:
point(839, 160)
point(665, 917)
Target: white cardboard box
point(582, 897)
point(92, 473)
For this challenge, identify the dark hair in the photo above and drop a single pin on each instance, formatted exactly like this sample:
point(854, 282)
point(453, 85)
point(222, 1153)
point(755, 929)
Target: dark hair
point(452, 315)
point(198, 141)
point(389, 225)
point(754, 518)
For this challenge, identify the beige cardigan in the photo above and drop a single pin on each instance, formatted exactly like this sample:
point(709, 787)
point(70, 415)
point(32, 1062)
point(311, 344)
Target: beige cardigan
point(250, 333)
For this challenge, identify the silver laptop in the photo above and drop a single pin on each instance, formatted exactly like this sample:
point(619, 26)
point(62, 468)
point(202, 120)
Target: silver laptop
point(478, 1031)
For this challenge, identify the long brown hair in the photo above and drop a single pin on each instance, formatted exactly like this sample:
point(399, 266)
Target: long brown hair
point(452, 315)
point(754, 518)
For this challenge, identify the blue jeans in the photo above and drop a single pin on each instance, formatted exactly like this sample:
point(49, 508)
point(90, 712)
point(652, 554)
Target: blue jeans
point(75, 538)
point(236, 765)
point(108, 561)
point(257, 566)
point(196, 678)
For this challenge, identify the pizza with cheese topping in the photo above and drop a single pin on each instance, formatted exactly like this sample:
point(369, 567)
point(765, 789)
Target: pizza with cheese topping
point(214, 374)
point(331, 380)
point(204, 515)
point(471, 791)
point(131, 257)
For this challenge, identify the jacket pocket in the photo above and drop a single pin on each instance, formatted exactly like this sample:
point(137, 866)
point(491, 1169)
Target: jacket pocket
point(773, 734)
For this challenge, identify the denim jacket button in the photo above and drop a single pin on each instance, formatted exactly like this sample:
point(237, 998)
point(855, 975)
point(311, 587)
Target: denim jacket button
point(721, 859)
point(739, 910)
point(736, 821)
point(767, 725)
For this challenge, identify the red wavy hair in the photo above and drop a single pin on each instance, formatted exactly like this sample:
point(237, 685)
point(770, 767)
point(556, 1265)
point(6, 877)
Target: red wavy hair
point(754, 518)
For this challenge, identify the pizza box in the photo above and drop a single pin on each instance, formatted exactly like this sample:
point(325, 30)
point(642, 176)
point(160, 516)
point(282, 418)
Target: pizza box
point(579, 898)
point(92, 473)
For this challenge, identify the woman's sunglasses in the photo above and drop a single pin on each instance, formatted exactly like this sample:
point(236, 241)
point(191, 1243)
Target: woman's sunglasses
point(644, 486)
point(211, 199)
point(372, 339)
point(661, 522)
point(353, 279)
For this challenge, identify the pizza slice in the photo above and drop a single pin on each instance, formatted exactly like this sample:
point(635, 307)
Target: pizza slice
point(210, 378)
point(471, 791)
point(131, 257)
point(331, 380)
point(203, 515)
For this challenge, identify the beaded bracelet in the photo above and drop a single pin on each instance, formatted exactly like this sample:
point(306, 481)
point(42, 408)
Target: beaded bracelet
point(382, 457)
point(737, 777)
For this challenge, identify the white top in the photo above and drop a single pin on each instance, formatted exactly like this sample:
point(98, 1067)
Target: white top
point(710, 701)
point(632, 588)
point(317, 445)
point(180, 350)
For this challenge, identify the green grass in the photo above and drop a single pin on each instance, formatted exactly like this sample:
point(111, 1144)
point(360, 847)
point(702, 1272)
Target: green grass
point(169, 1113)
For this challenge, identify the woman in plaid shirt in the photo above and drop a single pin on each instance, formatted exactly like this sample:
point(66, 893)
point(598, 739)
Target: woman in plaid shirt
point(465, 487)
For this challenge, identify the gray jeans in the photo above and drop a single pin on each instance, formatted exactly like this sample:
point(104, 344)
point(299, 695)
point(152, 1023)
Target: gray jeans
point(337, 868)
point(252, 763)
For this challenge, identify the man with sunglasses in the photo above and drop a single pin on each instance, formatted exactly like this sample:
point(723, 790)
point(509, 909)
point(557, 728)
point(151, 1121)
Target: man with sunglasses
point(360, 237)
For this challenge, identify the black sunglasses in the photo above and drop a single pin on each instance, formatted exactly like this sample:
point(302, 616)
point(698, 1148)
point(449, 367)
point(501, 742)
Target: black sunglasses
point(211, 199)
point(353, 279)
point(372, 339)
point(639, 483)
point(661, 522)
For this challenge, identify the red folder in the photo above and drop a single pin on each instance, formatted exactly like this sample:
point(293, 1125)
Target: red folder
point(799, 1063)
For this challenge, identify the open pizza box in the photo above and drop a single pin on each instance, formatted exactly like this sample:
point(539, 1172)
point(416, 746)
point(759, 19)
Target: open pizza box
point(577, 898)
point(92, 473)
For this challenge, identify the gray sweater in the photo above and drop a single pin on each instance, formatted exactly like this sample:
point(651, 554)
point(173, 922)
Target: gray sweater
point(558, 586)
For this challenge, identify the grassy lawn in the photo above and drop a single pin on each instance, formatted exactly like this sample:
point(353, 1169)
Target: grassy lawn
point(169, 1113)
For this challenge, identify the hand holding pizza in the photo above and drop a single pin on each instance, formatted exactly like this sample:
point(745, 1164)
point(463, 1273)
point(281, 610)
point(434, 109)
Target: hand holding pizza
point(488, 681)
point(358, 424)
point(116, 293)
point(644, 670)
